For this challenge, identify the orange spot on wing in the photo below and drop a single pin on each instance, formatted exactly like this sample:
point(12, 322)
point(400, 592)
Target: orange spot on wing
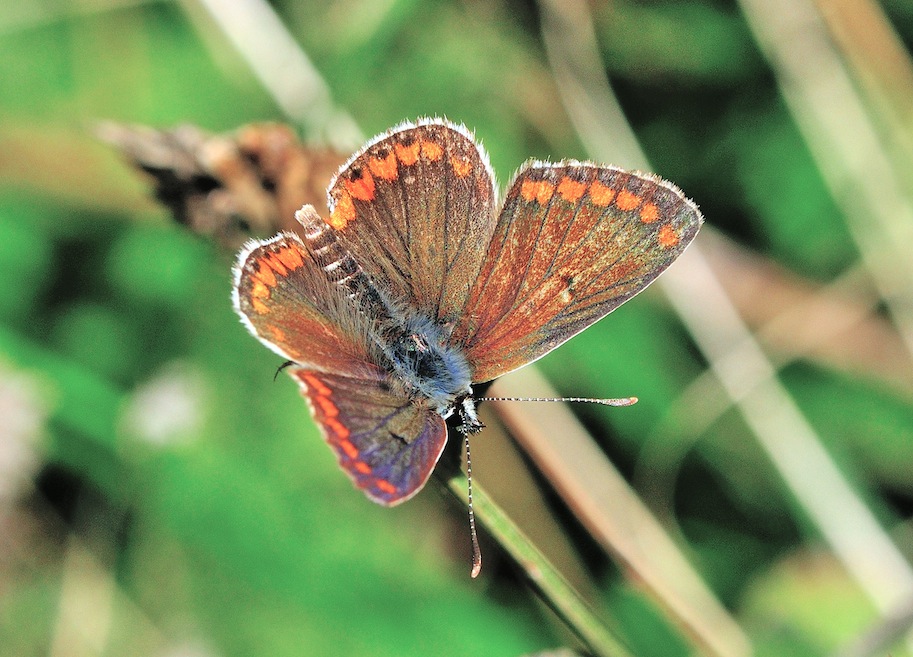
point(667, 237)
point(259, 306)
point(277, 332)
point(258, 289)
point(571, 190)
point(343, 212)
point(337, 428)
point(347, 447)
point(539, 191)
point(528, 190)
point(461, 167)
point(649, 213)
point(408, 153)
point(362, 467)
point(627, 200)
point(327, 412)
point(326, 406)
point(385, 168)
point(432, 150)
point(316, 385)
point(385, 486)
point(600, 194)
point(290, 257)
point(362, 187)
point(264, 273)
point(277, 265)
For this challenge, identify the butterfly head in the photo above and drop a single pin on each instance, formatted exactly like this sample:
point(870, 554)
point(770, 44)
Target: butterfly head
point(469, 419)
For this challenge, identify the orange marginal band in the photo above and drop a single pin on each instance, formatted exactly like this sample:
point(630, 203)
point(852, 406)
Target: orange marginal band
point(432, 150)
point(461, 167)
point(347, 446)
point(649, 213)
point(316, 385)
point(258, 289)
point(264, 273)
point(327, 407)
point(386, 486)
point(290, 257)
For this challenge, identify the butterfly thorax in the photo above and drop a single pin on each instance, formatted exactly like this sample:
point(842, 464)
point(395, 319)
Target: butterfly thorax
point(418, 351)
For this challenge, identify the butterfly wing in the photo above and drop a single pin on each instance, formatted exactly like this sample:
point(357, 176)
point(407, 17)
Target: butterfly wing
point(415, 208)
point(385, 440)
point(572, 243)
point(386, 444)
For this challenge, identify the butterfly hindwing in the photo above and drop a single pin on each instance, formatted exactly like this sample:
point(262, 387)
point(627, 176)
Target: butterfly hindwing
point(572, 243)
point(384, 439)
point(385, 442)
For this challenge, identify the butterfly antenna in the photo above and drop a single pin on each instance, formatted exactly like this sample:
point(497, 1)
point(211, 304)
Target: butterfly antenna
point(476, 552)
point(623, 401)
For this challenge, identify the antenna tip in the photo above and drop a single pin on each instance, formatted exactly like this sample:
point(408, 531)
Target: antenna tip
point(623, 401)
point(476, 568)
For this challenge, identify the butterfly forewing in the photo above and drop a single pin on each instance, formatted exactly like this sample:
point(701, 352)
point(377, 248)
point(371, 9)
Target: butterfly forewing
point(416, 209)
point(387, 444)
point(572, 243)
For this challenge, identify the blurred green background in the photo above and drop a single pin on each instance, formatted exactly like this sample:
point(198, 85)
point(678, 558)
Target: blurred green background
point(160, 495)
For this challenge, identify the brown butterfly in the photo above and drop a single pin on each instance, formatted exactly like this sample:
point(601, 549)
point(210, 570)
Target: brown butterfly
point(420, 283)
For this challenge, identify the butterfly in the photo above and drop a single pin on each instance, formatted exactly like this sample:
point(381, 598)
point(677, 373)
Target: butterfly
point(420, 283)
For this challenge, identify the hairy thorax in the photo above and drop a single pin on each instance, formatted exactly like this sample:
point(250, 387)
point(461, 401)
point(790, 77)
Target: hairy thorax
point(427, 364)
